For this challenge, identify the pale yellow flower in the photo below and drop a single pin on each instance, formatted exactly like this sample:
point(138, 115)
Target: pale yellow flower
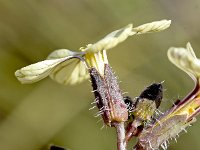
point(185, 59)
point(62, 66)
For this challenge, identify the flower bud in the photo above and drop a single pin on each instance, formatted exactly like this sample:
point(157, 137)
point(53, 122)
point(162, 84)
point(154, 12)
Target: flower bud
point(108, 96)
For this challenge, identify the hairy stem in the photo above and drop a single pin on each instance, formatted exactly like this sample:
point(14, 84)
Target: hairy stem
point(121, 145)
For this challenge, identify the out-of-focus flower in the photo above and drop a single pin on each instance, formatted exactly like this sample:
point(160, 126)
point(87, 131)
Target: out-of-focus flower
point(182, 114)
point(63, 68)
point(185, 59)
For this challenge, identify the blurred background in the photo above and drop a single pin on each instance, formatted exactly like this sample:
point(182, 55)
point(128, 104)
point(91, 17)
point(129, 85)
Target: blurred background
point(34, 116)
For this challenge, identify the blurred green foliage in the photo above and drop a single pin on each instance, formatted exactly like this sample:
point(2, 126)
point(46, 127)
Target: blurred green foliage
point(34, 116)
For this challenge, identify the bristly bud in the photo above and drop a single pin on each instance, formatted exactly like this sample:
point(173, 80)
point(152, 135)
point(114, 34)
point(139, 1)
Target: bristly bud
point(108, 95)
point(153, 92)
point(143, 108)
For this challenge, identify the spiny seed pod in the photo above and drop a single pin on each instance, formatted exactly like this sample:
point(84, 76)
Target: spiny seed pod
point(108, 96)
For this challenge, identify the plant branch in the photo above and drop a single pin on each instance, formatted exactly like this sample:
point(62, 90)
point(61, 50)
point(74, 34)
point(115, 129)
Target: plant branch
point(133, 129)
point(121, 145)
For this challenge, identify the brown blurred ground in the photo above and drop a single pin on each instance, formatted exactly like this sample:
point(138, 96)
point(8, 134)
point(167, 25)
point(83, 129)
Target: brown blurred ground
point(34, 116)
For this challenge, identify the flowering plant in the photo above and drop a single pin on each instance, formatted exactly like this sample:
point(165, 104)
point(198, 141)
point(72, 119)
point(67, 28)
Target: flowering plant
point(138, 117)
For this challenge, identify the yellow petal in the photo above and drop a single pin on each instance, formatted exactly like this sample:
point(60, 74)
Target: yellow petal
point(118, 36)
point(111, 40)
point(61, 53)
point(40, 70)
point(37, 71)
point(185, 59)
point(70, 72)
point(155, 26)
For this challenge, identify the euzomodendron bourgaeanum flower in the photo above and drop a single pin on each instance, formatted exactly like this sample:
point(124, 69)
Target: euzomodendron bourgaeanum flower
point(69, 67)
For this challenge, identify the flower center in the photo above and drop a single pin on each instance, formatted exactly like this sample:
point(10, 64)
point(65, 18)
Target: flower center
point(97, 60)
